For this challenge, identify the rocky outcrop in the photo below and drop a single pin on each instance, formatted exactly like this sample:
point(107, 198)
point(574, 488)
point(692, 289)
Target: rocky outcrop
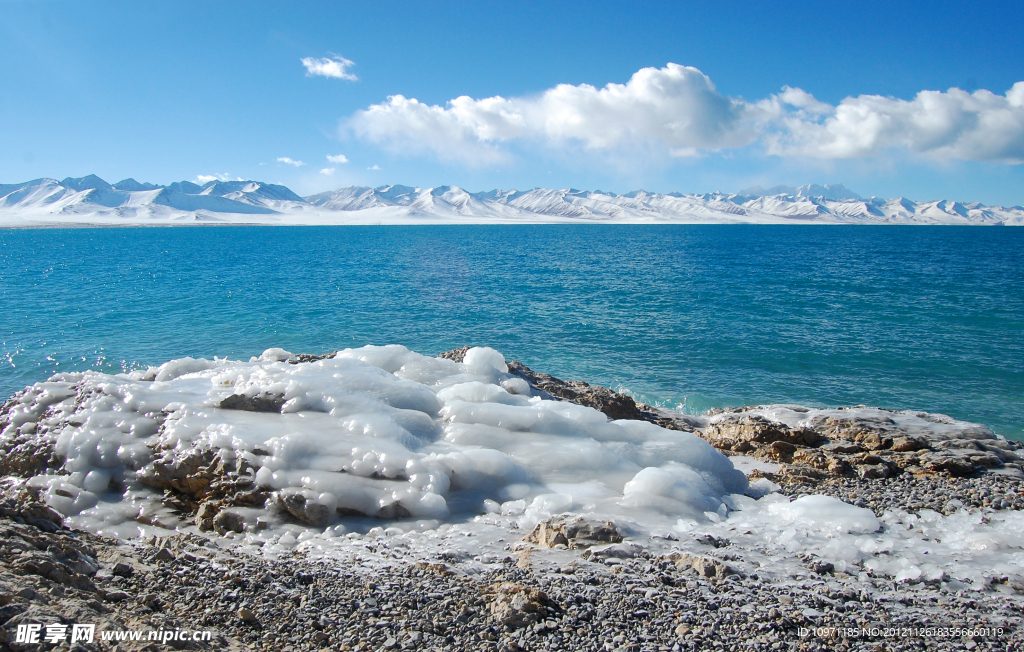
point(22, 506)
point(573, 532)
point(613, 404)
point(869, 443)
point(747, 432)
point(201, 482)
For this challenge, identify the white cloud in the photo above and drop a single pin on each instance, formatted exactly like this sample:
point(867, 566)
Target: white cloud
point(334, 67)
point(203, 179)
point(373, 167)
point(288, 161)
point(327, 172)
point(676, 106)
point(946, 125)
point(677, 110)
point(340, 158)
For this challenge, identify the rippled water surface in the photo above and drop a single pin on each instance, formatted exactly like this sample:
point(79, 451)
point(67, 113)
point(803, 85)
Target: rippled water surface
point(928, 318)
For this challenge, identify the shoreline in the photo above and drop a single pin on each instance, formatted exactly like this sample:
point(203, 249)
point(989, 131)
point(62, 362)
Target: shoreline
point(384, 594)
point(455, 222)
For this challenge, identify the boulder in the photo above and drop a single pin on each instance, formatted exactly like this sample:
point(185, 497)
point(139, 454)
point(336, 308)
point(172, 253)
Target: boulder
point(301, 507)
point(731, 430)
point(704, 566)
point(515, 605)
point(574, 532)
point(258, 403)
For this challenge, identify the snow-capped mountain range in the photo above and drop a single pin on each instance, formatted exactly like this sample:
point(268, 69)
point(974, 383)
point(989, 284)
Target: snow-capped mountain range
point(92, 201)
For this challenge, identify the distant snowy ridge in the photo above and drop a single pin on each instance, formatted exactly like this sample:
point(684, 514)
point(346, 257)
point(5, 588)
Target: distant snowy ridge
point(91, 200)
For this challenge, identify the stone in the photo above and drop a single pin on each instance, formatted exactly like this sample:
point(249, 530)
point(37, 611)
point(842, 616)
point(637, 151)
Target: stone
point(228, 521)
point(206, 513)
point(574, 532)
point(613, 404)
point(515, 605)
point(258, 403)
point(301, 507)
point(246, 615)
point(951, 464)
point(616, 551)
point(906, 444)
point(731, 429)
point(781, 451)
point(18, 502)
point(704, 566)
point(873, 471)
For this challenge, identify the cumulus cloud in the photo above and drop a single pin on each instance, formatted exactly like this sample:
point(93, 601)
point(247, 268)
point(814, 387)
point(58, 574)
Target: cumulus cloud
point(676, 106)
point(334, 67)
point(327, 172)
point(947, 125)
point(373, 167)
point(288, 161)
point(678, 110)
point(339, 158)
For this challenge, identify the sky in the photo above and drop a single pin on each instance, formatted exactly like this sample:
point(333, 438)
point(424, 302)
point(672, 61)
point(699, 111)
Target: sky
point(920, 100)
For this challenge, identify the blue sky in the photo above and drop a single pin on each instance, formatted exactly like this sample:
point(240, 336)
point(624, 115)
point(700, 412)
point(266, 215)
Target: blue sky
point(169, 91)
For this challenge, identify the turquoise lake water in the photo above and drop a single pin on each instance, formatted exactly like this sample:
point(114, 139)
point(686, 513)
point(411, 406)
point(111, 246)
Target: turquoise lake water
point(928, 318)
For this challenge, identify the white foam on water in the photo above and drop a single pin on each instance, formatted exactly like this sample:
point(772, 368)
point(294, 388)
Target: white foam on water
point(457, 461)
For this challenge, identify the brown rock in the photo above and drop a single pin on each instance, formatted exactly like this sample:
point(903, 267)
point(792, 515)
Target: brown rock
point(704, 566)
point(515, 605)
point(873, 471)
point(781, 451)
point(611, 403)
point(906, 444)
point(228, 521)
point(258, 403)
point(756, 430)
point(298, 505)
point(797, 473)
point(951, 464)
point(811, 457)
point(205, 514)
point(574, 532)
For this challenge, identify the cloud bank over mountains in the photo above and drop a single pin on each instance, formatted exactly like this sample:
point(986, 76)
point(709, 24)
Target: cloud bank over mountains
point(678, 110)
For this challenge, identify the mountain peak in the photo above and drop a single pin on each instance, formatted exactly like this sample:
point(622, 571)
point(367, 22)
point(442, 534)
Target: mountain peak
point(90, 182)
point(131, 185)
point(129, 201)
point(833, 191)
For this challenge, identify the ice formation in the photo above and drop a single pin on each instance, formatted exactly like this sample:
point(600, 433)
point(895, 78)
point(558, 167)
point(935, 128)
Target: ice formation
point(385, 441)
point(377, 431)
